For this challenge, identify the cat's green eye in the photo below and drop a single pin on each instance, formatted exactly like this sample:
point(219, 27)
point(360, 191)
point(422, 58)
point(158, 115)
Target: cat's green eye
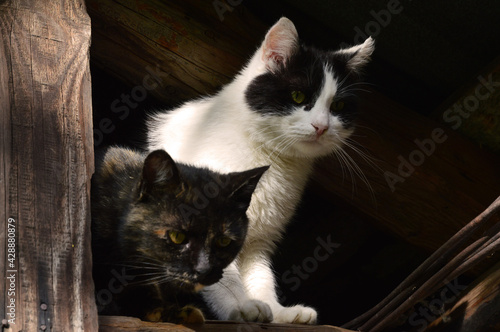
point(298, 97)
point(337, 106)
point(176, 237)
point(223, 241)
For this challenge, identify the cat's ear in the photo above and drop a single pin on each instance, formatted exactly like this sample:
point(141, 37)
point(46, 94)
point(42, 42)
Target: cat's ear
point(159, 171)
point(243, 185)
point(358, 56)
point(281, 42)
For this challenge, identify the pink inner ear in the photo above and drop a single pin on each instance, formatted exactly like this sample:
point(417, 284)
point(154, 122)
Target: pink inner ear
point(280, 43)
point(277, 58)
point(276, 52)
point(273, 50)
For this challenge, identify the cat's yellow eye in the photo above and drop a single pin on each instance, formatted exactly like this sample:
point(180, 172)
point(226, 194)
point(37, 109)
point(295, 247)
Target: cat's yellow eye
point(298, 97)
point(176, 237)
point(223, 241)
point(337, 106)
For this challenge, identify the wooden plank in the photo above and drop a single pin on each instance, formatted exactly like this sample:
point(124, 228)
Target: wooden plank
point(426, 181)
point(47, 160)
point(5, 143)
point(473, 110)
point(191, 51)
point(119, 324)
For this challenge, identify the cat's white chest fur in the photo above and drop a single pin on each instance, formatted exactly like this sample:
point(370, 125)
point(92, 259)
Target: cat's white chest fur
point(284, 109)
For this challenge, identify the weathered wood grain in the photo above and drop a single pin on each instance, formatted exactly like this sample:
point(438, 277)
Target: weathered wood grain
point(47, 161)
point(5, 160)
point(424, 203)
point(185, 43)
point(118, 324)
point(474, 109)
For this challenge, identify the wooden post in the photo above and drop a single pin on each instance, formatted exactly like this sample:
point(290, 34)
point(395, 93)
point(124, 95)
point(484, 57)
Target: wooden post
point(46, 162)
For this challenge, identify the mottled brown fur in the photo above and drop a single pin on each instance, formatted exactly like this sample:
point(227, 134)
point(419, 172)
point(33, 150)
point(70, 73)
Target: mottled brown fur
point(139, 204)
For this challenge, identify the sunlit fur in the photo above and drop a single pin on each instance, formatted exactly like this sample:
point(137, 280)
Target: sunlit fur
point(253, 121)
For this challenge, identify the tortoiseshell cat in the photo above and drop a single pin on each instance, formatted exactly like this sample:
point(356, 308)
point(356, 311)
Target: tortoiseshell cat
point(161, 228)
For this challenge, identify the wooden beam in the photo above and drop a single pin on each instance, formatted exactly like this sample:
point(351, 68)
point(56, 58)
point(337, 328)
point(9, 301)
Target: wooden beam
point(473, 110)
point(425, 181)
point(46, 162)
point(115, 324)
point(186, 45)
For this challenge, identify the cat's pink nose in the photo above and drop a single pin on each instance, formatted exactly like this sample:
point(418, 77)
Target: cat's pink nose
point(320, 129)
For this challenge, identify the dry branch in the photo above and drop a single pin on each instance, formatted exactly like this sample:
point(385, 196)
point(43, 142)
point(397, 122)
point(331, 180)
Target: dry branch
point(449, 261)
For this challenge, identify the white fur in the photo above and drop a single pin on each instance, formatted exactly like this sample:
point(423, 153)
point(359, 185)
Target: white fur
point(362, 54)
point(223, 134)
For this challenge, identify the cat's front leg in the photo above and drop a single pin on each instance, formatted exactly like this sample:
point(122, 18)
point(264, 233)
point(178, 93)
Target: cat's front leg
point(229, 301)
point(259, 282)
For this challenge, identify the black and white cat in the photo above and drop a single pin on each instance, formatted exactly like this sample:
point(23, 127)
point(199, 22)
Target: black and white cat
point(290, 105)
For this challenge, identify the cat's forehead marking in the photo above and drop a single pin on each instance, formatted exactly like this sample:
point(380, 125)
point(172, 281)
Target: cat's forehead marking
point(329, 88)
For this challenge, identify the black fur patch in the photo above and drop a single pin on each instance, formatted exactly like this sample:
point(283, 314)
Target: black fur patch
point(271, 93)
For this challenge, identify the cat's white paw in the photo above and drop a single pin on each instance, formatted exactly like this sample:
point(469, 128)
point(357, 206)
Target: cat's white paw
point(252, 311)
point(296, 315)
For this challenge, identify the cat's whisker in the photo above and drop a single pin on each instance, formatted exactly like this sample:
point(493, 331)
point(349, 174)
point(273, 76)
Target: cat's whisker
point(341, 163)
point(139, 267)
point(364, 155)
point(292, 142)
point(341, 83)
point(153, 282)
point(282, 137)
point(283, 145)
point(340, 154)
point(351, 92)
point(268, 143)
point(356, 169)
point(353, 171)
point(358, 126)
point(363, 83)
point(266, 130)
